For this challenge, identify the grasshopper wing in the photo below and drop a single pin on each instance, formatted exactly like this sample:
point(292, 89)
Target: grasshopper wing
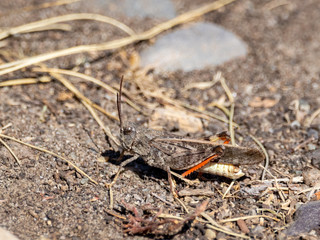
point(181, 155)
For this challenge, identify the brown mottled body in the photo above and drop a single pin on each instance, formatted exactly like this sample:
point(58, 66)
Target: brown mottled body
point(162, 150)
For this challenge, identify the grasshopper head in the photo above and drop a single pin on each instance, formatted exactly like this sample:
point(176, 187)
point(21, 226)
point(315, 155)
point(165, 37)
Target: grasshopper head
point(128, 136)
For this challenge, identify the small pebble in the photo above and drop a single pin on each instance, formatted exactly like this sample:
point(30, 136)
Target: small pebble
point(311, 146)
point(315, 158)
point(313, 133)
point(295, 124)
point(210, 234)
point(84, 181)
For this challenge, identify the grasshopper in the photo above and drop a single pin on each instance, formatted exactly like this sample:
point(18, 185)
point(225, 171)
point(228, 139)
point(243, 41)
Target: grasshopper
point(168, 151)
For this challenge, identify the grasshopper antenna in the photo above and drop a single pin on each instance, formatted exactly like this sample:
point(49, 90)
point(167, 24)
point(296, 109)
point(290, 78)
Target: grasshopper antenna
point(119, 101)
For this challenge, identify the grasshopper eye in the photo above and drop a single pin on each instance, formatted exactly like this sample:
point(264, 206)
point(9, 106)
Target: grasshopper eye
point(128, 130)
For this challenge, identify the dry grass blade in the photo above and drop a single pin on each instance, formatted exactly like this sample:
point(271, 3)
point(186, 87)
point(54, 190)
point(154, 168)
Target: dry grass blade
point(231, 113)
point(79, 95)
point(229, 188)
point(214, 225)
point(227, 232)
point(291, 180)
point(24, 81)
point(248, 217)
point(313, 116)
point(163, 215)
point(10, 150)
point(221, 107)
point(231, 100)
point(51, 153)
point(39, 6)
point(231, 129)
point(186, 17)
point(77, 74)
point(265, 154)
point(99, 121)
point(187, 106)
point(90, 79)
point(60, 27)
point(226, 89)
point(31, 27)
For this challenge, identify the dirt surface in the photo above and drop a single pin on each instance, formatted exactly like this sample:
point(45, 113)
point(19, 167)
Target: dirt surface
point(276, 89)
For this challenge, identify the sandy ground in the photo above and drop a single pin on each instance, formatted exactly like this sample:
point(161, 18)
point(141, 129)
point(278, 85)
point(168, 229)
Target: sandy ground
point(276, 89)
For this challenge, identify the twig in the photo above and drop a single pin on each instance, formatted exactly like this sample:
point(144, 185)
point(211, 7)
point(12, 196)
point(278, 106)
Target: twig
point(10, 150)
point(265, 154)
point(51, 153)
point(114, 214)
point(186, 17)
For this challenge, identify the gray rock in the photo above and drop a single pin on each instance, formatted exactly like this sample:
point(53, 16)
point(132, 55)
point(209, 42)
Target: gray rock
point(194, 47)
point(307, 218)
